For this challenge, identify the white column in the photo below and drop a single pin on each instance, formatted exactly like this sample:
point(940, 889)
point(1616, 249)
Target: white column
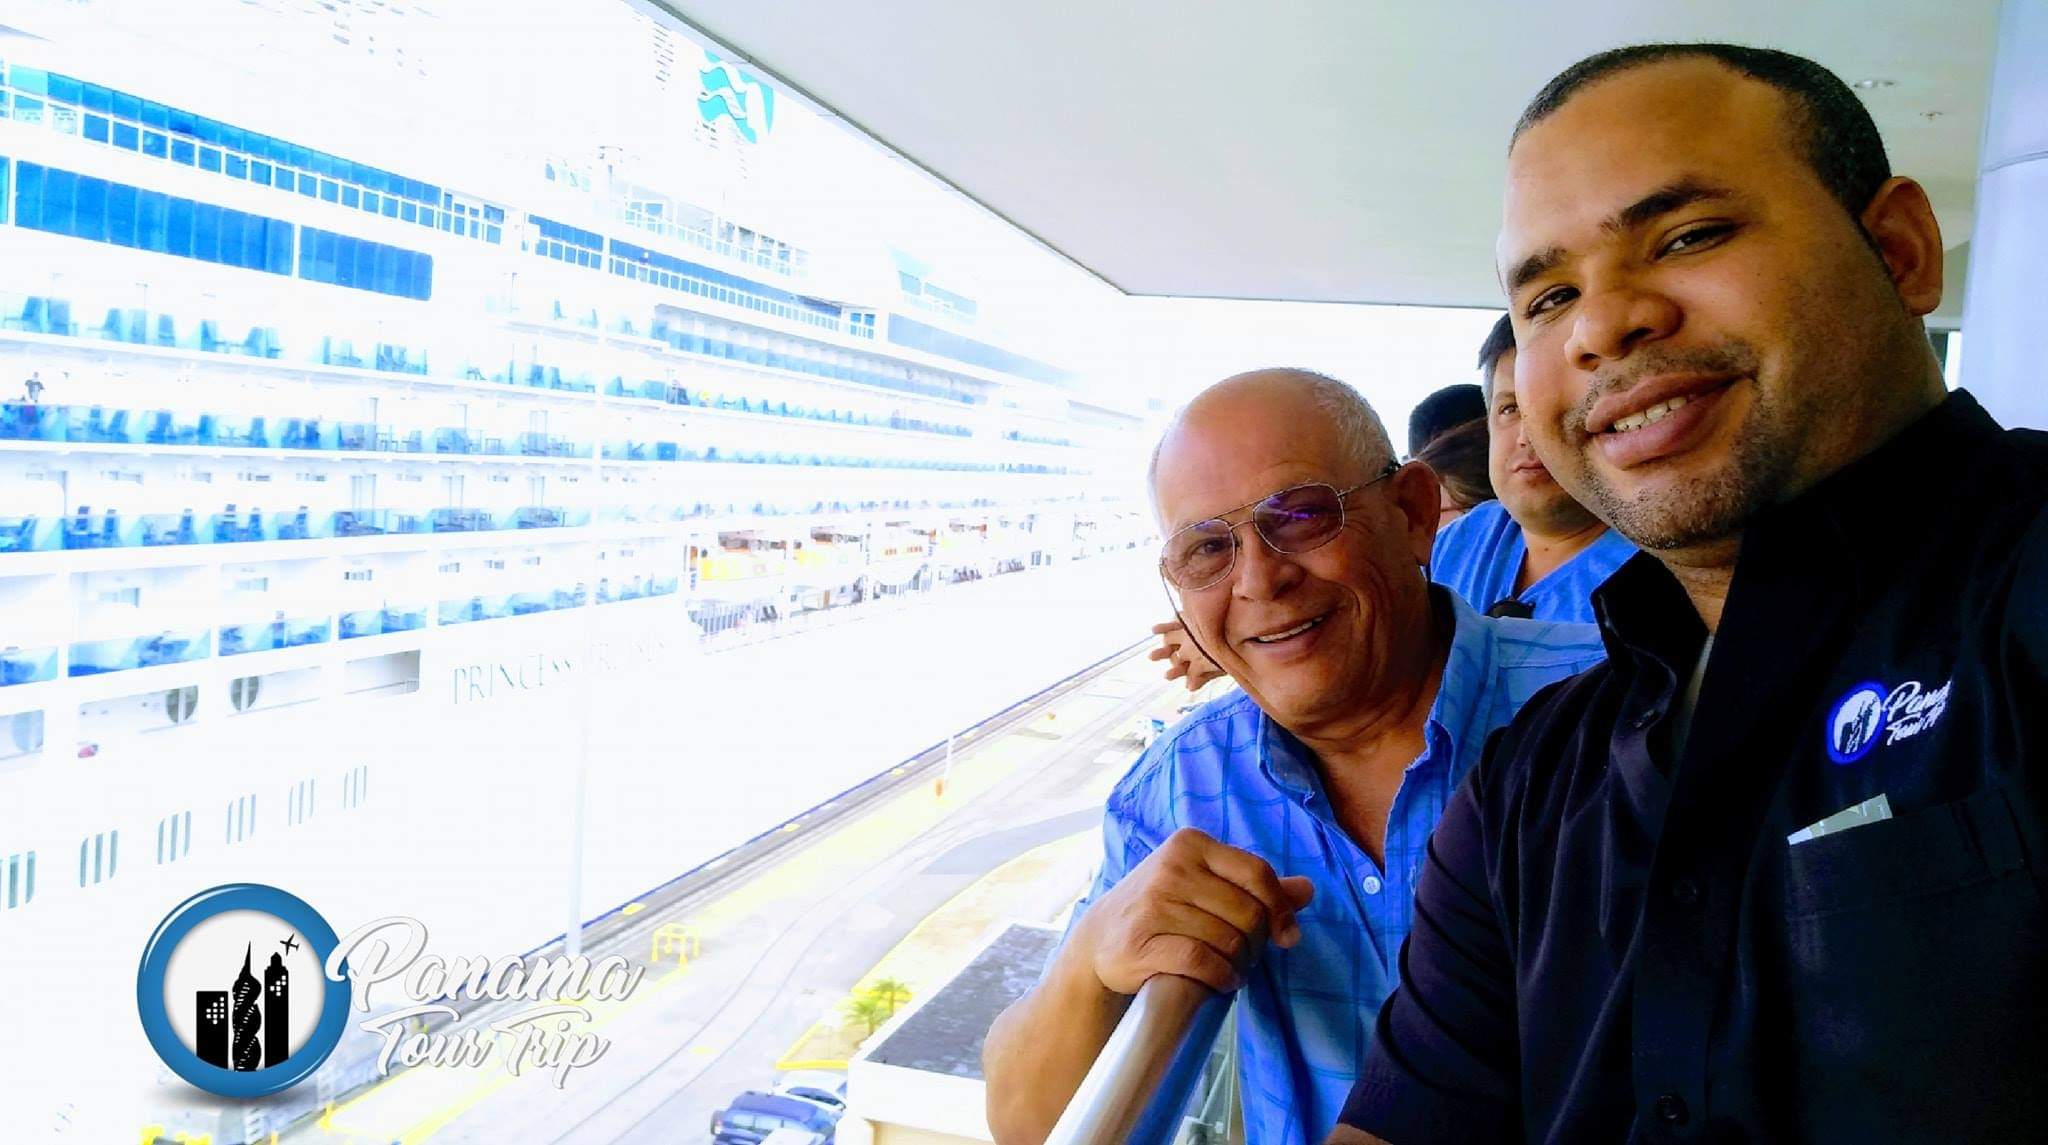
point(2005, 342)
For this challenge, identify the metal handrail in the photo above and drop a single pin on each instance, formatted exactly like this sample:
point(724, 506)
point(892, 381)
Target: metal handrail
point(1147, 1071)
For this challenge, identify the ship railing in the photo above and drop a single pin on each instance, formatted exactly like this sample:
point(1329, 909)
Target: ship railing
point(1167, 1075)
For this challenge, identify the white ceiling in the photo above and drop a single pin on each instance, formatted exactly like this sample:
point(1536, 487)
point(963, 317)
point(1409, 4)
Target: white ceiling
point(1295, 149)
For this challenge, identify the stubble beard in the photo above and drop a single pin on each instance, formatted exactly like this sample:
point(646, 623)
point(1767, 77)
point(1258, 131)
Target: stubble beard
point(1713, 506)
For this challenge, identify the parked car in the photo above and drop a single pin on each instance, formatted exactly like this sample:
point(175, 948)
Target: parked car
point(821, 1087)
point(754, 1115)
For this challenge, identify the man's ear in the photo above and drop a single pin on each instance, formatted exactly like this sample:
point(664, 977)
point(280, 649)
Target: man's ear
point(1901, 222)
point(1418, 494)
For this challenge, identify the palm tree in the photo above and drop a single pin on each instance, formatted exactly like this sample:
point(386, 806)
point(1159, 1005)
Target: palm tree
point(868, 1010)
point(894, 991)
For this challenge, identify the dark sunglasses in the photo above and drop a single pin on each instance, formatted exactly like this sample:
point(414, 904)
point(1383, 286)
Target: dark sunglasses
point(1293, 521)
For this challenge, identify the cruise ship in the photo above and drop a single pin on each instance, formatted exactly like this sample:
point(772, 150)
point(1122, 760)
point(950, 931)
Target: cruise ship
point(353, 517)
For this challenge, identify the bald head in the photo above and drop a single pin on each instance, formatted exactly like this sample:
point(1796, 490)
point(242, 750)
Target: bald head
point(1320, 415)
point(1354, 596)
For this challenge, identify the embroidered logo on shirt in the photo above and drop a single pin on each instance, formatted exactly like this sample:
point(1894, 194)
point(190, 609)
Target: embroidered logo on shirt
point(1870, 710)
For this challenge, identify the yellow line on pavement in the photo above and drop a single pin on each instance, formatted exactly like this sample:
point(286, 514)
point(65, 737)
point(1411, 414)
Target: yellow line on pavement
point(876, 833)
point(440, 1120)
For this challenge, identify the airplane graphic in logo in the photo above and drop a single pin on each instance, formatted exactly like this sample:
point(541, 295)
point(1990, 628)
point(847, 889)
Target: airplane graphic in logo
point(290, 942)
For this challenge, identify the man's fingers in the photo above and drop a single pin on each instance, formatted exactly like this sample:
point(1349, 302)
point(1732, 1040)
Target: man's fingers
point(1253, 875)
point(1159, 653)
point(1166, 626)
point(1226, 900)
point(1299, 890)
point(1179, 954)
point(1216, 933)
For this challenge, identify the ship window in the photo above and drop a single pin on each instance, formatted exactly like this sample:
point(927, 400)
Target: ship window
point(300, 806)
point(18, 879)
point(355, 785)
point(241, 818)
point(96, 857)
point(173, 837)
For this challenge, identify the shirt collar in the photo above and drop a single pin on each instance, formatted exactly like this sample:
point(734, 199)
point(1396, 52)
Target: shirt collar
point(1849, 520)
point(1460, 700)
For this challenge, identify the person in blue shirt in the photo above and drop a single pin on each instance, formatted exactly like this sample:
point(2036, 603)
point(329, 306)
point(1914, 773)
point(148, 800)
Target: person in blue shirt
point(1299, 807)
point(1535, 551)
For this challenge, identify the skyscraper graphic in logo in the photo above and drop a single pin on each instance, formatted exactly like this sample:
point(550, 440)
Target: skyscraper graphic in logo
point(228, 1031)
point(725, 91)
point(1854, 721)
point(231, 1007)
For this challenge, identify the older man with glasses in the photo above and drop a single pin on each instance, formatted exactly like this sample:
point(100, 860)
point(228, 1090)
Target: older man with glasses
point(1301, 806)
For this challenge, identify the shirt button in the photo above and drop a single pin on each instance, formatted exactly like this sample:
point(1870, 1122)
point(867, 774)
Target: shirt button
point(1371, 884)
point(1671, 1110)
point(1686, 892)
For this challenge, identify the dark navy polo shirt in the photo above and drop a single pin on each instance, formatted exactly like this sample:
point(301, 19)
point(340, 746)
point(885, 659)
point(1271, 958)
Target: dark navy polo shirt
point(1614, 941)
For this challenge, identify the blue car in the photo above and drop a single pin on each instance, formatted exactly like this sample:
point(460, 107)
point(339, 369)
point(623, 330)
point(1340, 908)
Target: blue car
point(754, 1115)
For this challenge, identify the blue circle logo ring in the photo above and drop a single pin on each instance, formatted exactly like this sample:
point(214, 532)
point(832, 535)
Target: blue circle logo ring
point(1856, 721)
point(156, 1020)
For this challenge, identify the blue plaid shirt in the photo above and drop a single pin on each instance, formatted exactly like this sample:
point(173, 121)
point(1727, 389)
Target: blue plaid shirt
point(1229, 771)
point(1479, 555)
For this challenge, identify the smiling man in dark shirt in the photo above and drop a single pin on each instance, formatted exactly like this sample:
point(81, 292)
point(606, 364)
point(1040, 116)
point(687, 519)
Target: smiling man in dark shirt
point(1775, 872)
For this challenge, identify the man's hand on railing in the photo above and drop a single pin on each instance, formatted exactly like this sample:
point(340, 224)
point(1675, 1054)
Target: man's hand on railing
point(1192, 908)
point(1184, 661)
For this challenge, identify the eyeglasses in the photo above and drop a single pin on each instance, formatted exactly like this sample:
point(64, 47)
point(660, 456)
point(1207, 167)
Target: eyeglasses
point(1293, 521)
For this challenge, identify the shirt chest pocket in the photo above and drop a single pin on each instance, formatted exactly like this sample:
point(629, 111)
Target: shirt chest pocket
point(1909, 942)
point(1925, 852)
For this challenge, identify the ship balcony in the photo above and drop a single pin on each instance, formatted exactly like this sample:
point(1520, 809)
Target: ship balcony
point(378, 523)
point(694, 343)
point(479, 606)
point(670, 393)
point(233, 527)
point(92, 657)
point(380, 621)
point(636, 586)
point(269, 635)
point(27, 665)
point(548, 517)
point(30, 534)
point(26, 421)
point(533, 375)
point(451, 520)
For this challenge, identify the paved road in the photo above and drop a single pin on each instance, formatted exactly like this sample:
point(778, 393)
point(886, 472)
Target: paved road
point(787, 946)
